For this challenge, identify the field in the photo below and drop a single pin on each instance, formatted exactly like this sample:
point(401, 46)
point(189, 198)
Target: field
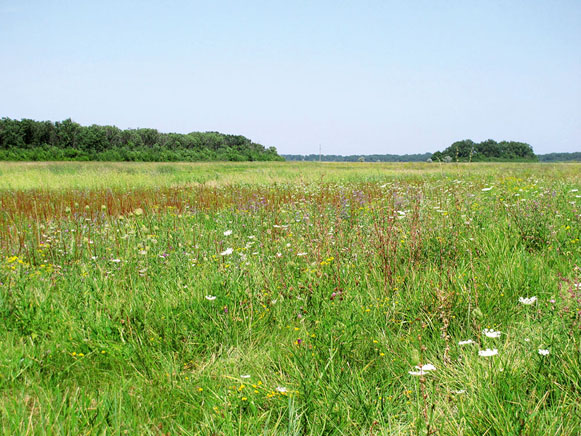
point(290, 299)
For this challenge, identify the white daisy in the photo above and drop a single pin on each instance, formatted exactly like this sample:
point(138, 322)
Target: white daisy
point(527, 301)
point(426, 367)
point(489, 333)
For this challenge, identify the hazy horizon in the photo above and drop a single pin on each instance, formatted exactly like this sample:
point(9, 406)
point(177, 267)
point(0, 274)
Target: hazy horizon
point(357, 78)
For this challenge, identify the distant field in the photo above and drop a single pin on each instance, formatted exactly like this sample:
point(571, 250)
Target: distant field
point(290, 298)
point(82, 175)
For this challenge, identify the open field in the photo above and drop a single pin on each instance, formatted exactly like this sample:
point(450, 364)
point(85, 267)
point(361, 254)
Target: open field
point(290, 298)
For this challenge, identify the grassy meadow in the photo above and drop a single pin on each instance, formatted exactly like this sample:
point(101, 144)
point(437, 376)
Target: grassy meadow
point(290, 299)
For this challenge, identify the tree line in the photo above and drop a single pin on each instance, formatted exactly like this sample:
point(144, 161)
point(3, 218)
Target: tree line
point(486, 151)
point(359, 158)
point(560, 157)
point(29, 140)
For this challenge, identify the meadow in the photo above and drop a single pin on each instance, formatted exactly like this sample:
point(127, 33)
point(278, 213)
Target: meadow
point(290, 299)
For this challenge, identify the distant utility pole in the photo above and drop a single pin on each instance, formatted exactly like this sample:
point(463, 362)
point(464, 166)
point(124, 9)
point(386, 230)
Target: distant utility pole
point(319, 152)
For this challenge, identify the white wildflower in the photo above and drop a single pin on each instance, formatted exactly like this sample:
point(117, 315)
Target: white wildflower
point(210, 297)
point(466, 342)
point(423, 369)
point(486, 189)
point(227, 252)
point(488, 352)
point(489, 333)
point(227, 232)
point(281, 389)
point(426, 367)
point(527, 301)
point(301, 254)
point(543, 352)
point(245, 376)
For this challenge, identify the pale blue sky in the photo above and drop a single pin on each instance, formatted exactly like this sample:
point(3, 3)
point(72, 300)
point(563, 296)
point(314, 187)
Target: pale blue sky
point(358, 77)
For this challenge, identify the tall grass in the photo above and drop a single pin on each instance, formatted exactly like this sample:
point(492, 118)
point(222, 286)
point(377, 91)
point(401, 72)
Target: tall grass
point(135, 310)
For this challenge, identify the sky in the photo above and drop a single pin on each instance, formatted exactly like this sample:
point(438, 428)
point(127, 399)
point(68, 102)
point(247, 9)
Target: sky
point(353, 77)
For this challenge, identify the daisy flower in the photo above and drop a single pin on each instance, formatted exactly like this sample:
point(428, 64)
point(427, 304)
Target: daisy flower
point(424, 369)
point(527, 301)
point(489, 333)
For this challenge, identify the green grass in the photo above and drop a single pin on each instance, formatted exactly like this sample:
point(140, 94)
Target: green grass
point(342, 278)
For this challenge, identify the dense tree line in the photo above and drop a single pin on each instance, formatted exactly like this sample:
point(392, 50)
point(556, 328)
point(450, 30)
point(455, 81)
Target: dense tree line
point(560, 157)
point(489, 150)
point(359, 158)
point(66, 140)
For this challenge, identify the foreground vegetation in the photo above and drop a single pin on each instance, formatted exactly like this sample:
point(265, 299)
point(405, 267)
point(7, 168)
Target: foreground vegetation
point(290, 299)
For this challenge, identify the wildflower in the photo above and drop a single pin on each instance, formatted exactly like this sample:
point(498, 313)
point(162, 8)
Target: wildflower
point(460, 391)
point(301, 254)
point(227, 232)
point(227, 252)
point(424, 369)
point(543, 352)
point(491, 333)
point(281, 389)
point(417, 373)
point(245, 376)
point(486, 189)
point(210, 297)
point(466, 342)
point(115, 260)
point(527, 301)
point(488, 352)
